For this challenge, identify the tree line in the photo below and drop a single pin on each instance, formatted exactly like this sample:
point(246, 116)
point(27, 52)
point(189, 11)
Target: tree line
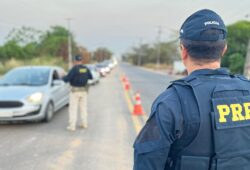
point(144, 54)
point(238, 38)
point(26, 43)
point(234, 59)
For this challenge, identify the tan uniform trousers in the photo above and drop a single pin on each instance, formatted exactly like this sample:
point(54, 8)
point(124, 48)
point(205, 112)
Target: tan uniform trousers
point(78, 102)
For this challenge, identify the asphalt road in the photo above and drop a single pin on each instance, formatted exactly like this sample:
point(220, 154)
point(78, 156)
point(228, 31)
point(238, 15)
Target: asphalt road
point(105, 145)
point(150, 84)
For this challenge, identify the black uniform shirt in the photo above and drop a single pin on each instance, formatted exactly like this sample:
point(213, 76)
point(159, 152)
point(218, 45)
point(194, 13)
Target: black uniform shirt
point(78, 76)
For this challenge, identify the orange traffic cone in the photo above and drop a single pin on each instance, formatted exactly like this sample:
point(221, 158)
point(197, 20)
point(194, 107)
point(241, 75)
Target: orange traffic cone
point(138, 110)
point(127, 85)
point(124, 78)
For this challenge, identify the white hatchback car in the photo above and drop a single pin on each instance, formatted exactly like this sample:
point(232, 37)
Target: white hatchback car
point(32, 93)
point(95, 74)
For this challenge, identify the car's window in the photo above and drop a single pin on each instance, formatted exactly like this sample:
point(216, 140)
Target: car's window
point(61, 73)
point(55, 75)
point(26, 76)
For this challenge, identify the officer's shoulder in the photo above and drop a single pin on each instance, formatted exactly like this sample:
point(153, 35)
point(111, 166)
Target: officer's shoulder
point(84, 66)
point(167, 100)
point(168, 95)
point(74, 67)
point(243, 78)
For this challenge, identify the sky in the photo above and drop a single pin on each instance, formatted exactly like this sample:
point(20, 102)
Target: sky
point(115, 24)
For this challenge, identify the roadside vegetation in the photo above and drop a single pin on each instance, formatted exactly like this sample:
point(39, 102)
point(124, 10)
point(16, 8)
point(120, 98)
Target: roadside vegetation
point(12, 63)
point(28, 46)
point(238, 40)
point(146, 54)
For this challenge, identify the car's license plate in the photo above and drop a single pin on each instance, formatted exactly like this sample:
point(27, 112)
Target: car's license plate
point(6, 114)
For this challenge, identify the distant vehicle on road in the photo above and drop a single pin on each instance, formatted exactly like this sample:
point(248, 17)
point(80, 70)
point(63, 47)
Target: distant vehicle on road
point(103, 69)
point(32, 93)
point(95, 74)
point(109, 63)
point(106, 66)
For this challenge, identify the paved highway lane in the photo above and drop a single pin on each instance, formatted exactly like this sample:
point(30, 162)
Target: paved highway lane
point(105, 145)
point(150, 84)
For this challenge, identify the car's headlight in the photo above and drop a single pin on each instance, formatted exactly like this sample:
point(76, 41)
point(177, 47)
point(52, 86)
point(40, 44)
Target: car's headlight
point(35, 98)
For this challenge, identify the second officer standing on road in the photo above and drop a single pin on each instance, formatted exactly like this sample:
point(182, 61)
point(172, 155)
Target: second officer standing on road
point(78, 78)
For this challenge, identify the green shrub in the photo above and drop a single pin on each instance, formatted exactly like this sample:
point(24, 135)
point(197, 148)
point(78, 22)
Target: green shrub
point(236, 63)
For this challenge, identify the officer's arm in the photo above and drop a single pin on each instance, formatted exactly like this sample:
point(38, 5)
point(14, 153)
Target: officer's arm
point(154, 141)
point(90, 76)
point(69, 76)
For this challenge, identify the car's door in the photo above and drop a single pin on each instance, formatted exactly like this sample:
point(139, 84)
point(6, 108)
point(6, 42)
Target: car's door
point(94, 75)
point(57, 89)
point(65, 88)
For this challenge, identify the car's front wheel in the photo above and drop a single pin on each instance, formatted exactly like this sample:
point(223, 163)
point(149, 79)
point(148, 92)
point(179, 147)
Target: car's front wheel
point(49, 112)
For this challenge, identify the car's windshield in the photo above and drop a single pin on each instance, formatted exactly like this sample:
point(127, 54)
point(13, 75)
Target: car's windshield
point(26, 77)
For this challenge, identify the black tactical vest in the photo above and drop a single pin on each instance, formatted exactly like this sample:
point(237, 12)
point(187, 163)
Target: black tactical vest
point(216, 113)
point(81, 75)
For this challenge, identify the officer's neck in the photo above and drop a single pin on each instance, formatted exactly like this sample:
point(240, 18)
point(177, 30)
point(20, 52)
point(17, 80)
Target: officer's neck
point(77, 63)
point(192, 66)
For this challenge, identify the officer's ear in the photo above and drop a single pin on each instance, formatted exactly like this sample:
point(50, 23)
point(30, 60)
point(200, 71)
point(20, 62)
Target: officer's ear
point(224, 50)
point(184, 53)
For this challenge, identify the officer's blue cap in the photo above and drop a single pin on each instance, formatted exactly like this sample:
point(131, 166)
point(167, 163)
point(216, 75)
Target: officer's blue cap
point(78, 58)
point(200, 21)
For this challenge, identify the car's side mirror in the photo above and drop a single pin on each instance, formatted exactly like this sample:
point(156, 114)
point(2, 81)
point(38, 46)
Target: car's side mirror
point(57, 83)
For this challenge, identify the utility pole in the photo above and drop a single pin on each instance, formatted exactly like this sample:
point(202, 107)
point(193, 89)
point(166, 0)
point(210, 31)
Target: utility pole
point(159, 47)
point(247, 60)
point(139, 52)
point(69, 44)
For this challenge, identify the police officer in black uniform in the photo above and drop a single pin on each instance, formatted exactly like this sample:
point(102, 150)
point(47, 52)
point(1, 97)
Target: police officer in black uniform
point(78, 78)
point(201, 122)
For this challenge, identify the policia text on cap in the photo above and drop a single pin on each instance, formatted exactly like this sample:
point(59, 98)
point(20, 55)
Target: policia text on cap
point(201, 122)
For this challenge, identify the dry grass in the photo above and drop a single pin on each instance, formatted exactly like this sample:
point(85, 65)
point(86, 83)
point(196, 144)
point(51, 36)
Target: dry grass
point(161, 67)
point(12, 63)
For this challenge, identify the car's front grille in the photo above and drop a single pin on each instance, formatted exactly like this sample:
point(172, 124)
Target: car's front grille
point(10, 104)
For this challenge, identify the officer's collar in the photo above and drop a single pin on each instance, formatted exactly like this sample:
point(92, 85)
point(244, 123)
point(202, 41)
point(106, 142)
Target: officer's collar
point(203, 72)
point(219, 71)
